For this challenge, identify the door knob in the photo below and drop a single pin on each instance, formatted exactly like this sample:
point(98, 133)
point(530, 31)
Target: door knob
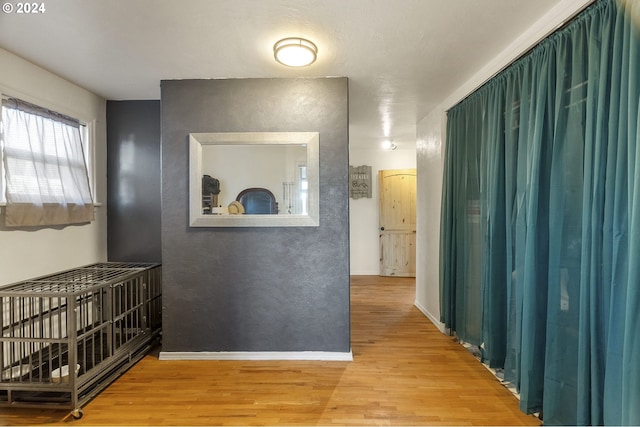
point(381, 228)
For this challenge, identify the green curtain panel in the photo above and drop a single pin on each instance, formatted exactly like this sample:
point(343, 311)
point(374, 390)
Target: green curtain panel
point(540, 238)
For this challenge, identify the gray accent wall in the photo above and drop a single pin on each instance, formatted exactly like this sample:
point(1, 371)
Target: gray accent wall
point(133, 181)
point(256, 289)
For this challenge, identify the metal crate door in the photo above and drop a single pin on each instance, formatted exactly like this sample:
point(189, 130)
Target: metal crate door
point(128, 306)
point(34, 336)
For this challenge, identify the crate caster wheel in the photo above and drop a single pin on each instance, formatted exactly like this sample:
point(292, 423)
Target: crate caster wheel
point(77, 414)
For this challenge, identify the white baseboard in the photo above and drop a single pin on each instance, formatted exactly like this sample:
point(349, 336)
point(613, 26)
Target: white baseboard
point(257, 355)
point(364, 273)
point(431, 317)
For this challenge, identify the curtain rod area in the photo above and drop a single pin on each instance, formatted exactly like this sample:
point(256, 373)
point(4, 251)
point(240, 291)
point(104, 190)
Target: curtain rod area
point(566, 21)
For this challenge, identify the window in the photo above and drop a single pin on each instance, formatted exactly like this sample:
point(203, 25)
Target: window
point(44, 169)
point(303, 185)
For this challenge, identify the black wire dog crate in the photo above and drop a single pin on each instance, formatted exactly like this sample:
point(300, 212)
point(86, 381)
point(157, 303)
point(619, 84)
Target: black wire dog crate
point(68, 335)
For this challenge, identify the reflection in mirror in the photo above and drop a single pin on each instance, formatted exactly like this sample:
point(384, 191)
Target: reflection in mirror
point(269, 166)
point(259, 201)
point(253, 179)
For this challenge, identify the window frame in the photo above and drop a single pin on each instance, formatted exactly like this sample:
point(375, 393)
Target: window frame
point(87, 135)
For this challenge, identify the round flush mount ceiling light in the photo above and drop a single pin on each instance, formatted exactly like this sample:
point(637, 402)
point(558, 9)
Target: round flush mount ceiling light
point(295, 52)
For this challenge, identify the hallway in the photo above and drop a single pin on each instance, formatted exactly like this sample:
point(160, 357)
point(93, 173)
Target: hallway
point(405, 372)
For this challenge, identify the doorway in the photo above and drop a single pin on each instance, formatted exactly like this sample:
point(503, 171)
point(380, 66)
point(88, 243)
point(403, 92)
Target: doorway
point(397, 223)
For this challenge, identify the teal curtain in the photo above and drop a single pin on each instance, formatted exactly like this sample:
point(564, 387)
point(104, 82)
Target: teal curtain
point(462, 213)
point(540, 238)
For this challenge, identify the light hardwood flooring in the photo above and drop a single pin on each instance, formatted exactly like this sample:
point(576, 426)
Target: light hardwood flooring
point(405, 372)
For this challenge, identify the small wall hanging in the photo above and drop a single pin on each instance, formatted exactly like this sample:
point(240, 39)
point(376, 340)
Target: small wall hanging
point(359, 182)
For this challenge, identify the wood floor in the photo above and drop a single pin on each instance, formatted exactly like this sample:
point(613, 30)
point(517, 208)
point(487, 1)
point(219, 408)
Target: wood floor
point(405, 372)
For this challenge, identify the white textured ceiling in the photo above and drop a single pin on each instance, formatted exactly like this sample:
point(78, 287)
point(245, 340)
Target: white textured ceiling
point(402, 57)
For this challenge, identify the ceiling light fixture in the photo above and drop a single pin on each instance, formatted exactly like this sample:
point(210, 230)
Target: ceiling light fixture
point(389, 145)
point(295, 52)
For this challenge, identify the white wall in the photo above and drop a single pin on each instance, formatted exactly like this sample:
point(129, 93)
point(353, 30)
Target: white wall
point(363, 213)
point(430, 152)
point(28, 253)
point(430, 168)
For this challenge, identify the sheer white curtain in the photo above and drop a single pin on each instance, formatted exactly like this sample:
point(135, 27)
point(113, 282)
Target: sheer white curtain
point(44, 166)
